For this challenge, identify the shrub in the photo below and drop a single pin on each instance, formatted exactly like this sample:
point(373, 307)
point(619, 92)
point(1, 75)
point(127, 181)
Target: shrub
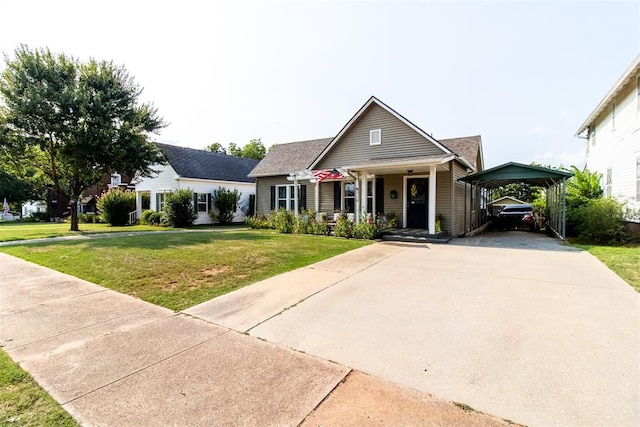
point(36, 217)
point(344, 226)
point(153, 218)
point(88, 218)
point(284, 221)
point(320, 228)
point(115, 206)
point(226, 202)
point(302, 223)
point(257, 222)
point(601, 222)
point(179, 208)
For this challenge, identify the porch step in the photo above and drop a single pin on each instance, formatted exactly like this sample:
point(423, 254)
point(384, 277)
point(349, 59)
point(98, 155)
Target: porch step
point(414, 236)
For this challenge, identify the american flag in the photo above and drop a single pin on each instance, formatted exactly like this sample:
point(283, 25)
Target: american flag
point(321, 175)
point(5, 206)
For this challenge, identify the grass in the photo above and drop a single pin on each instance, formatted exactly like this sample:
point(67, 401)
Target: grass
point(38, 230)
point(23, 402)
point(181, 270)
point(10, 231)
point(623, 260)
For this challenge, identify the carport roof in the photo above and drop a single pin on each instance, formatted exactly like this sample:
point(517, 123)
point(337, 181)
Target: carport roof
point(516, 172)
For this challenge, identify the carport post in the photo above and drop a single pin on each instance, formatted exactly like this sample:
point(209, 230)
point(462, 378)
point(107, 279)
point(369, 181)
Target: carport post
point(465, 208)
point(564, 208)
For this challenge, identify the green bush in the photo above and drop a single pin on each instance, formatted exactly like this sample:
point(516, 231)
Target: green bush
point(226, 202)
point(257, 222)
point(179, 208)
point(36, 217)
point(344, 226)
point(600, 221)
point(283, 221)
point(115, 206)
point(88, 218)
point(153, 218)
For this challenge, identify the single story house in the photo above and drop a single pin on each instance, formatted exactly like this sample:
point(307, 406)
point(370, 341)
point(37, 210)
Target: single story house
point(379, 162)
point(202, 172)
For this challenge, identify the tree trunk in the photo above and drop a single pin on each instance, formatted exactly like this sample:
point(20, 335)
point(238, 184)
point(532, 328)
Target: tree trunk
point(74, 215)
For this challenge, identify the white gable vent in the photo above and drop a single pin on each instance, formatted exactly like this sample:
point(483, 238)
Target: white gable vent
point(375, 137)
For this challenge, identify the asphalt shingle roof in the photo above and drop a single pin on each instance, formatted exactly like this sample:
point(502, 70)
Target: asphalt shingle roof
point(293, 156)
point(201, 164)
point(466, 147)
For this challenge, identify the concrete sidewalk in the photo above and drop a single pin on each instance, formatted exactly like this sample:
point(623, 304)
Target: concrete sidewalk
point(113, 360)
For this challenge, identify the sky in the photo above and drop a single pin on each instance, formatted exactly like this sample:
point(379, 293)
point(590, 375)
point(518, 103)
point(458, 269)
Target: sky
point(523, 75)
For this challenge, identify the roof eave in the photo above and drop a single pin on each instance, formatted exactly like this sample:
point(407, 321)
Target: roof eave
point(615, 89)
point(359, 113)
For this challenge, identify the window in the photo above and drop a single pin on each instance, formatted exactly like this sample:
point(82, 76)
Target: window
point(375, 137)
point(116, 179)
point(638, 178)
point(202, 201)
point(613, 114)
point(285, 197)
point(607, 185)
point(349, 197)
point(160, 200)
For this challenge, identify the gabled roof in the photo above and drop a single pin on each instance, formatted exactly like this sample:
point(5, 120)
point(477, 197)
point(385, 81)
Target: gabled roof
point(201, 164)
point(293, 156)
point(624, 79)
point(355, 118)
point(466, 147)
point(516, 172)
point(504, 198)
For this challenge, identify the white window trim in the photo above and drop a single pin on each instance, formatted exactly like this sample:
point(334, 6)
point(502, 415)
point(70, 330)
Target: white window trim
point(205, 203)
point(638, 179)
point(116, 179)
point(608, 182)
point(289, 198)
point(375, 137)
point(355, 195)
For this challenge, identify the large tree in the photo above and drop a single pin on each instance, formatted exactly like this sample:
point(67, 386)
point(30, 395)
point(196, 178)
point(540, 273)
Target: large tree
point(216, 147)
point(75, 121)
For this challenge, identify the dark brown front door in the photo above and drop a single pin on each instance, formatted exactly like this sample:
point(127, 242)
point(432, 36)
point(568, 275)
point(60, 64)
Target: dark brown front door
point(417, 202)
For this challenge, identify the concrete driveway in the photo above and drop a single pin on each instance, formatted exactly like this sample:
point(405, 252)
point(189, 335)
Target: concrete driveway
point(516, 325)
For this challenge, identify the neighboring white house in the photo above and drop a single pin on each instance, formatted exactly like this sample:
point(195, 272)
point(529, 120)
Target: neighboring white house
point(612, 131)
point(201, 171)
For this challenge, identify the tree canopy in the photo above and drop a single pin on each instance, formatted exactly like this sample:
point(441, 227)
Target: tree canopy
point(75, 121)
point(216, 147)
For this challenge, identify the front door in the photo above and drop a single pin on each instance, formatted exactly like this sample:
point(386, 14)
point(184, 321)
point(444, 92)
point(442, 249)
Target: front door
point(417, 202)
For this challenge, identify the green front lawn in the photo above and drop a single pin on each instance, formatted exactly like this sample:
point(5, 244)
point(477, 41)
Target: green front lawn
point(37, 230)
point(23, 402)
point(183, 269)
point(624, 261)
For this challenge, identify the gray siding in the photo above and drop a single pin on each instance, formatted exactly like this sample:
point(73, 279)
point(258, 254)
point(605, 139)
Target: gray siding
point(443, 199)
point(393, 182)
point(398, 140)
point(326, 198)
point(263, 192)
point(458, 205)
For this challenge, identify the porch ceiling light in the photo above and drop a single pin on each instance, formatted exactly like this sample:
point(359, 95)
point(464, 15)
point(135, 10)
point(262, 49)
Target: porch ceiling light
point(410, 172)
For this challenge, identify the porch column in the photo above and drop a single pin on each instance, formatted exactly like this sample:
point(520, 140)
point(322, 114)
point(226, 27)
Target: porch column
point(139, 204)
point(295, 195)
point(432, 200)
point(356, 200)
point(363, 194)
point(316, 191)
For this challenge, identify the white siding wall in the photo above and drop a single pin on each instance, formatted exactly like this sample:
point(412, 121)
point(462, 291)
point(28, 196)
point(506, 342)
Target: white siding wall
point(167, 180)
point(618, 147)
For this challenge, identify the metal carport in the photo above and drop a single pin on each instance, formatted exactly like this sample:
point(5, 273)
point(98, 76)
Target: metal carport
point(553, 181)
